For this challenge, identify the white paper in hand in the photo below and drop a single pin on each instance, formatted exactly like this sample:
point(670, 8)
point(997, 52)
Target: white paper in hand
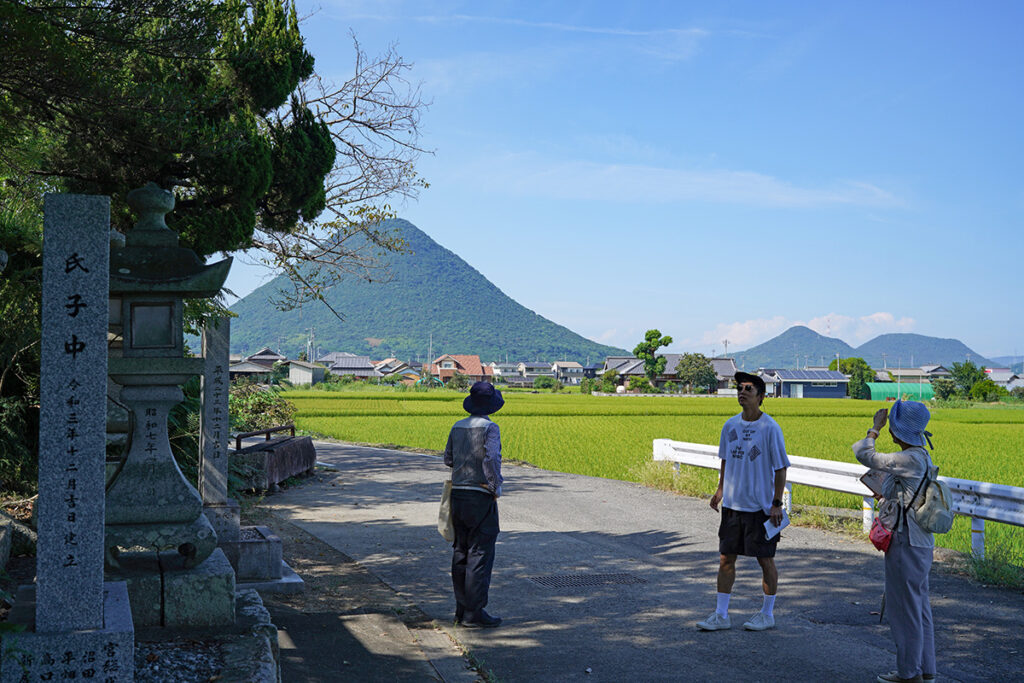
point(771, 531)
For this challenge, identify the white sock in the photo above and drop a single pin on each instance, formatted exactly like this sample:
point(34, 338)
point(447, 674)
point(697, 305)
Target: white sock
point(722, 606)
point(769, 604)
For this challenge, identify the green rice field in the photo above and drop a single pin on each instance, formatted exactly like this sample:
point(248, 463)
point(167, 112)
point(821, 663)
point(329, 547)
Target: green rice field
point(611, 436)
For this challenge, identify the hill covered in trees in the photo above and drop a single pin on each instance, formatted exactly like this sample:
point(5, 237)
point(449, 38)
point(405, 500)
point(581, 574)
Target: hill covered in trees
point(432, 293)
point(800, 346)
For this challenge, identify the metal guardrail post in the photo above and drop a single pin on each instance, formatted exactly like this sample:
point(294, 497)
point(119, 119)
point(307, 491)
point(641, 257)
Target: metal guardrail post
point(978, 537)
point(868, 509)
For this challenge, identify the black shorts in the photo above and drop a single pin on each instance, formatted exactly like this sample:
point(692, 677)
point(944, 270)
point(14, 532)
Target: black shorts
point(742, 533)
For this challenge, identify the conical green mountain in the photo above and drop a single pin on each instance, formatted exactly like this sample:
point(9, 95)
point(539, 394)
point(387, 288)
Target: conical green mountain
point(432, 293)
point(797, 347)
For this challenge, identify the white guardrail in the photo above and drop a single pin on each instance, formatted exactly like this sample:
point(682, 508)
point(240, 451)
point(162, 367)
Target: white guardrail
point(978, 500)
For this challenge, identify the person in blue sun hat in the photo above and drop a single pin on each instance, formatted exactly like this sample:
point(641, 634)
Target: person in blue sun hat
point(473, 452)
point(909, 557)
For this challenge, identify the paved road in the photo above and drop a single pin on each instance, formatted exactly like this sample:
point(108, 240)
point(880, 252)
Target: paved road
point(657, 555)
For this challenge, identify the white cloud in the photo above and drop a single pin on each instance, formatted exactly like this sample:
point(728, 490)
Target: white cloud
point(527, 174)
point(854, 330)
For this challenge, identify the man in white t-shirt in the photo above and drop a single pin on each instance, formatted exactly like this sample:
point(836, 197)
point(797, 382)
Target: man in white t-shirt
point(750, 487)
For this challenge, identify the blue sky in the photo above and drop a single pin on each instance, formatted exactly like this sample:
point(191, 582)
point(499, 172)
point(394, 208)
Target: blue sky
point(718, 170)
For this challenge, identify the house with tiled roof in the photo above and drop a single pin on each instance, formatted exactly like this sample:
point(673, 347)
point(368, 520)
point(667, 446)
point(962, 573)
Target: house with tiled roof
point(567, 371)
point(329, 359)
point(391, 367)
point(359, 367)
point(1001, 376)
point(266, 357)
point(257, 372)
point(444, 367)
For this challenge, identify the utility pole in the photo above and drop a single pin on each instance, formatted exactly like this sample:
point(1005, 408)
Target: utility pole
point(726, 342)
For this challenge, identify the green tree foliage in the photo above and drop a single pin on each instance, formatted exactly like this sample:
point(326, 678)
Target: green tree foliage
point(966, 375)
point(944, 387)
point(459, 381)
point(20, 293)
point(195, 94)
point(586, 385)
point(544, 382)
point(696, 372)
point(987, 390)
point(608, 380)
point(641, 385)
point(859, 372)
point(647, 351)
point(252, 407)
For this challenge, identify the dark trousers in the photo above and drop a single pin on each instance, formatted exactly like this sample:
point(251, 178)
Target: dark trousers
point(475, 515)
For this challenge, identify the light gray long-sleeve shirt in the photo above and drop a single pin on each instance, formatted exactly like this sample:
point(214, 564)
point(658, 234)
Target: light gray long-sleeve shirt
point(904, 471)
point(473, 452)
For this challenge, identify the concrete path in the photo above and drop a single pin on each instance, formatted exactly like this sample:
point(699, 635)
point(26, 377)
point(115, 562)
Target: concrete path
point(602, 580)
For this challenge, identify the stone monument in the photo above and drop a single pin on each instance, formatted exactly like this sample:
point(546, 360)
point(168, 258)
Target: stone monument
point(77, 626)
point(255, 552)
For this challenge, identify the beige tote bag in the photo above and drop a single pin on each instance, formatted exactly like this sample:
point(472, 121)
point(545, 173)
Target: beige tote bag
point(445, 526)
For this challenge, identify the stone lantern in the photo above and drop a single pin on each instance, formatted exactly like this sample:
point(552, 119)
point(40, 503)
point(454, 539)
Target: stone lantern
point(149, 503)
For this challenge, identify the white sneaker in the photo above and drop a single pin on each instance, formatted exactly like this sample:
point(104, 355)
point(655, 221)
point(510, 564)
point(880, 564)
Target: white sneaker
point(716, 622)
point(760, 622)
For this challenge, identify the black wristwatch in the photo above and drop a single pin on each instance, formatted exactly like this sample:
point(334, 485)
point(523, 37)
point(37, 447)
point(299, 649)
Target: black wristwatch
point(776, 503)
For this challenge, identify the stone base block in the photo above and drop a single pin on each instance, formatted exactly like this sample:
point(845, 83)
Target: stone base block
point(203, 596)
point(268, 464)
point(258, 550)
point(141, 573)
point(163, 593)
point(104, 654)
point(290, 582)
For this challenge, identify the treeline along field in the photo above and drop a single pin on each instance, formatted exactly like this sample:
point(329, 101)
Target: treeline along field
point(611, 437)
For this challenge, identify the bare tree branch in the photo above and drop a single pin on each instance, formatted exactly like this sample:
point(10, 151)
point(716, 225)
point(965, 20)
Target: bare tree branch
point(374, 119)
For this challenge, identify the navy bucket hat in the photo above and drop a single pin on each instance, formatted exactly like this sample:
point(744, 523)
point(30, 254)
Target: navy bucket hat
point(907, 422)
point(483, 399)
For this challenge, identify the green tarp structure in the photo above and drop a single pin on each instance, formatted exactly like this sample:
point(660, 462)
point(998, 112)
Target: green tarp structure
point(890, 391)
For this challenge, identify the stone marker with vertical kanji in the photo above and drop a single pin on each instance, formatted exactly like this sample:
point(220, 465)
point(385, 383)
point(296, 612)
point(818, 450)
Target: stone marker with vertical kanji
point(254, 552)
point(77, 626)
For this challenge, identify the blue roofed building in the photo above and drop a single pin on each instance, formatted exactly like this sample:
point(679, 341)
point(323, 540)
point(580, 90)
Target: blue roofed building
point(808, 383)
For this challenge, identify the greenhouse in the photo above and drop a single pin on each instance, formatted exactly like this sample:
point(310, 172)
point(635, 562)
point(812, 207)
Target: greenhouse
point(890, 391)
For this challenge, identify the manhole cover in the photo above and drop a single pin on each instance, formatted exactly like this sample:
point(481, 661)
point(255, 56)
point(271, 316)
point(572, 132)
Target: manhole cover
point(571, 580)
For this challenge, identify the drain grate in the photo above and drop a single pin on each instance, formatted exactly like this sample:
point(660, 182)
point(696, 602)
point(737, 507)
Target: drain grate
point(573, 580)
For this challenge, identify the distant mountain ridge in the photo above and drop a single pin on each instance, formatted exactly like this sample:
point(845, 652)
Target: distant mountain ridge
point(801, 346)
point(432, 295)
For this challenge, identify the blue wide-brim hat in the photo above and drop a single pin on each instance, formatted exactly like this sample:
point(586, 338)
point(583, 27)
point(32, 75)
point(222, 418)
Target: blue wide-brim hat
point(483, 399)
point(907, 421)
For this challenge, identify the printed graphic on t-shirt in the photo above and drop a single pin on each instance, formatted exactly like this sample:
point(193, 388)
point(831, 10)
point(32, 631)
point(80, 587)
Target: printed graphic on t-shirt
point(748, 432)
point(737, 450)
point(732, 435)
point(754, 452)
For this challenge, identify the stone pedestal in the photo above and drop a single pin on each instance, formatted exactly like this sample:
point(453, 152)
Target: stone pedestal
point(163, 593)
point(103, 654)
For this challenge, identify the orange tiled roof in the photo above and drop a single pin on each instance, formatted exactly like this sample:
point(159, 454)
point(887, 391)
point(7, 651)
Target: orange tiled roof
point(466, 364)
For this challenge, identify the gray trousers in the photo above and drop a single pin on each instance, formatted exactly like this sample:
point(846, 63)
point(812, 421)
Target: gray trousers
point(906, 603)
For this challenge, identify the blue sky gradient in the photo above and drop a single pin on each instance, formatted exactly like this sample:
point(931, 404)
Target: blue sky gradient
point(718, 170)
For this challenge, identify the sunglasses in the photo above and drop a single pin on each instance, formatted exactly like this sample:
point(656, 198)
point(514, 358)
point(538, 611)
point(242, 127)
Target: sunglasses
point(747, 387)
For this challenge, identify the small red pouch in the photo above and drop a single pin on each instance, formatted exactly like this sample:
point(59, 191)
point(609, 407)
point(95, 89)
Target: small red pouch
point(880, 536)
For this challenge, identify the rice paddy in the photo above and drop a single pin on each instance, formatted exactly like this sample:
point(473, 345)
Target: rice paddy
point(611, 436)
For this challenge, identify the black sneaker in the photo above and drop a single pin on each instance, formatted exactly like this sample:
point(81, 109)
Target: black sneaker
point(480, 619)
